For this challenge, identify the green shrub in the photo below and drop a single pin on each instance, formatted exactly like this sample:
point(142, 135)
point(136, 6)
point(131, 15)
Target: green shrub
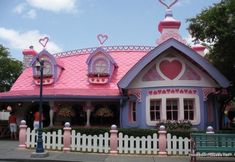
point(136, 132)
point(181, 125)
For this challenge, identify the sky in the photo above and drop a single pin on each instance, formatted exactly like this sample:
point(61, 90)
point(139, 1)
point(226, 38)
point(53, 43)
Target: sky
point(75, 24)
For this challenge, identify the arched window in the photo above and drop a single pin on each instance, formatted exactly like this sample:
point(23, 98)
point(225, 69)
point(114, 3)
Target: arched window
point(100, 66)
point(47, 70)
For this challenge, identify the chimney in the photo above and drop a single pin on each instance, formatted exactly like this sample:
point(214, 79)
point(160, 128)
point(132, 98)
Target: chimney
point(28, 56)
point(199, 49)
point(169, 28)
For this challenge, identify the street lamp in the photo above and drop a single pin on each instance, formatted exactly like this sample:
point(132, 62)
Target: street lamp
point(39, 148)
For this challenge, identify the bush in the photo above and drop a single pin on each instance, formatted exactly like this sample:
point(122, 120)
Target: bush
point(181, 125)
point(136, 132)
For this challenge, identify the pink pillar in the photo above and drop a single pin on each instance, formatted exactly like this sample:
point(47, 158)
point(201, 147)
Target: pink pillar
point(113, 139)
point(22, 134)
point(162, 140)
point(67, 137)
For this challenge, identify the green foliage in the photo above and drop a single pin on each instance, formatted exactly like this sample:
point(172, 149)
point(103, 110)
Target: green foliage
point(10, 69)
point(135, 132)
point(215, 26)
point(181, 125)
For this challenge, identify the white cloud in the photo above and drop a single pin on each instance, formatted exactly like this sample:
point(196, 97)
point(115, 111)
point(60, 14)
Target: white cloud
point(20, 8)
point(54, 5)
point(29, 8)
point(31, 14)
point(189, 40)
point(22, 40)
point(23, 9)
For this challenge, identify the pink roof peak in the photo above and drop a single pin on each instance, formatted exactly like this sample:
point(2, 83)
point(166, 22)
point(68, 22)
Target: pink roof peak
point(169, 28)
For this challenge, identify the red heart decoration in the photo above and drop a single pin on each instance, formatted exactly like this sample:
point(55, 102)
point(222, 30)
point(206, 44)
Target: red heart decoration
point(102, 38)
point(170, 69)
point(43, 41)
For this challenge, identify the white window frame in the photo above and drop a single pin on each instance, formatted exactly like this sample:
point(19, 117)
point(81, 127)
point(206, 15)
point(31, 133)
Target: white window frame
point(180, 97)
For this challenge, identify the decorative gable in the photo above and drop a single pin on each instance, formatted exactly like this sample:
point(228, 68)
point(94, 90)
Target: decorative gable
point(172, 63)
point(100, 67)
point(51, 68)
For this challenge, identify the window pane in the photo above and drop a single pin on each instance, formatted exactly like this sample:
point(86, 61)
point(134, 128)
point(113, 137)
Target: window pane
point(155, 110)
point(172, 109)
point(100, 66)
point(189, 109)
point(175, 115)
point(168, 116)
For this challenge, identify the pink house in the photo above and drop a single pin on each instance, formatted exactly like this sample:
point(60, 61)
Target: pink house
point(130, 86)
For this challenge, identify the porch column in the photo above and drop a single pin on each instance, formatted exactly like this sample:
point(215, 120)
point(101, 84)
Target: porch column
point(51, 113)
point(88, 108)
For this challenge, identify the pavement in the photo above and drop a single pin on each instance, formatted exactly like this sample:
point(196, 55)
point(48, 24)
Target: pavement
point(10, 152)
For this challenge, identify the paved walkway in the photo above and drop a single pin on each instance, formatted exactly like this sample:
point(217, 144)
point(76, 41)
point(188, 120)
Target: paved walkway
point(9, 151)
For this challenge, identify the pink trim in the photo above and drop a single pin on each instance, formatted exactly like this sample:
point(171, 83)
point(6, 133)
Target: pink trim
point(172, 91)
point(199, 48)
point(136, 93)
point(174, 24)
point(29, 52)
point(206, 92)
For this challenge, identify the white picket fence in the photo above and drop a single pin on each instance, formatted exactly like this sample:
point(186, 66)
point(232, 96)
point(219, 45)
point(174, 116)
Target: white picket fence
point(88, 143)
point(101, 143)
point(177, 146)
point(51, 141)
point(137, 145)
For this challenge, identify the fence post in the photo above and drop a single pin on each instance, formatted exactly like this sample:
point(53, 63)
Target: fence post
point(22, 134)
point(210, 130)
point(67, 137)
point(162, 140)
point(113, 139)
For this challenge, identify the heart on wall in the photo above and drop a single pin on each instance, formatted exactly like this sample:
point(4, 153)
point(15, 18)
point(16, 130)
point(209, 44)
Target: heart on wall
point(171, 69)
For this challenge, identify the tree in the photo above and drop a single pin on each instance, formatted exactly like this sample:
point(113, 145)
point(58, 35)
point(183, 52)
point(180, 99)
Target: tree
point(215, 26)
point(10, 69)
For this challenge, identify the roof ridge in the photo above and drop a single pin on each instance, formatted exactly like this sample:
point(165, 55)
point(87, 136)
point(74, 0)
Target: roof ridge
point(107, 48)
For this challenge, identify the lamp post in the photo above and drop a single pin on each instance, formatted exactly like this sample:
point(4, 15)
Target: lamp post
point(39, 148)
